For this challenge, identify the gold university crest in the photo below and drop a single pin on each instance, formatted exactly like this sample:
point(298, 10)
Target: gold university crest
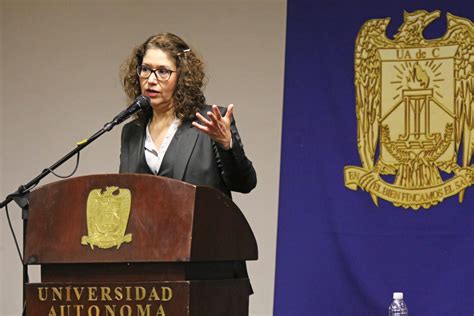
point(415, 111)
point(108, 211)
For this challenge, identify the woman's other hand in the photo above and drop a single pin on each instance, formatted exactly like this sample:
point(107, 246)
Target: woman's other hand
point(218, 127)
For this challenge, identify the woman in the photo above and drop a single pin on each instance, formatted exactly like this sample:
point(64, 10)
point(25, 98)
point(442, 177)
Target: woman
point(180, 137)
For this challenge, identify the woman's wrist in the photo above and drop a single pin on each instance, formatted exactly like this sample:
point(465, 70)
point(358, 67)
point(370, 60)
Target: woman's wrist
point(227, 145)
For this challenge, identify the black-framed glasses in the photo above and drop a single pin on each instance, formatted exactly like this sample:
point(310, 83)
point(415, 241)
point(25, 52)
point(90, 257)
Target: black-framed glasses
point(162, 74)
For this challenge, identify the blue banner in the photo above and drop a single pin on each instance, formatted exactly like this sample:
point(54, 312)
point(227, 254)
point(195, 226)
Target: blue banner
point(370, 197)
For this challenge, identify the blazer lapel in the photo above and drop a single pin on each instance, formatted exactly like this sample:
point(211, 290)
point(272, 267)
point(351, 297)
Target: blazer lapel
point(137, 147)
point(186, 142)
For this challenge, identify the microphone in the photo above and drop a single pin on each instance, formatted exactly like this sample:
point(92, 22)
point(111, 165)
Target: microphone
point(140, 103)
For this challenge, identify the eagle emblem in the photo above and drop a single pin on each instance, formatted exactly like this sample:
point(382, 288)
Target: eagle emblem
point(415, 111)
point(108, 211)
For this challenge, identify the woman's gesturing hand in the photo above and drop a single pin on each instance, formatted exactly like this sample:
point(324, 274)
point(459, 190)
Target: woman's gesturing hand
point(218, 127)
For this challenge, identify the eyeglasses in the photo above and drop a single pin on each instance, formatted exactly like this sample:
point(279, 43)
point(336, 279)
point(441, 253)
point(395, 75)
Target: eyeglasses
point(161, 74)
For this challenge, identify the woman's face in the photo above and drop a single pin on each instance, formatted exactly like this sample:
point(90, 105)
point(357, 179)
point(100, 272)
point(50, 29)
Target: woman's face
point(158, 90)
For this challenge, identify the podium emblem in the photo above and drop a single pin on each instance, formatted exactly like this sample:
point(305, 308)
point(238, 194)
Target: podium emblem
point(415, 111)
point(108, 211)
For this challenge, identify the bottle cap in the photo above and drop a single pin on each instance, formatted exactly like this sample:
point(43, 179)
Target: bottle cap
point(398, 295)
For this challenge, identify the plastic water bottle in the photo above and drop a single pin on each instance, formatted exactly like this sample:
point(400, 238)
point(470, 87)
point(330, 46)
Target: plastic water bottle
point(398, 306)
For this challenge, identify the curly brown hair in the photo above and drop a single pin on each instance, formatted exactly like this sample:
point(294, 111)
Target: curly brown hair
point(188, 97)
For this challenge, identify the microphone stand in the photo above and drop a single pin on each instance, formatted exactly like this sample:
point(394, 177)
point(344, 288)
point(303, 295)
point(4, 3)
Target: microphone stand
point(20, 196)
point(25, 188)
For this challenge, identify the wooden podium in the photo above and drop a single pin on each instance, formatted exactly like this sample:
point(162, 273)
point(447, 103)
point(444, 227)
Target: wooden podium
point(129, 244)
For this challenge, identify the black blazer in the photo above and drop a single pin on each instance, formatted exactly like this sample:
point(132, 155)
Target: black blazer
point(198, 159)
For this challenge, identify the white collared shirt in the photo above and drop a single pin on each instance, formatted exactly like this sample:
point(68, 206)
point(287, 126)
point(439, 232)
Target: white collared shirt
point(154, 156)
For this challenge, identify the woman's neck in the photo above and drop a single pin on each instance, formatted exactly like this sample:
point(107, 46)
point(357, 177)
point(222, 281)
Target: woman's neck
point(162, 119)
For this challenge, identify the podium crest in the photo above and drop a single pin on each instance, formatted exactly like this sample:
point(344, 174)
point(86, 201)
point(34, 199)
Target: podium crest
point(108, 211)
point(415, 111)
